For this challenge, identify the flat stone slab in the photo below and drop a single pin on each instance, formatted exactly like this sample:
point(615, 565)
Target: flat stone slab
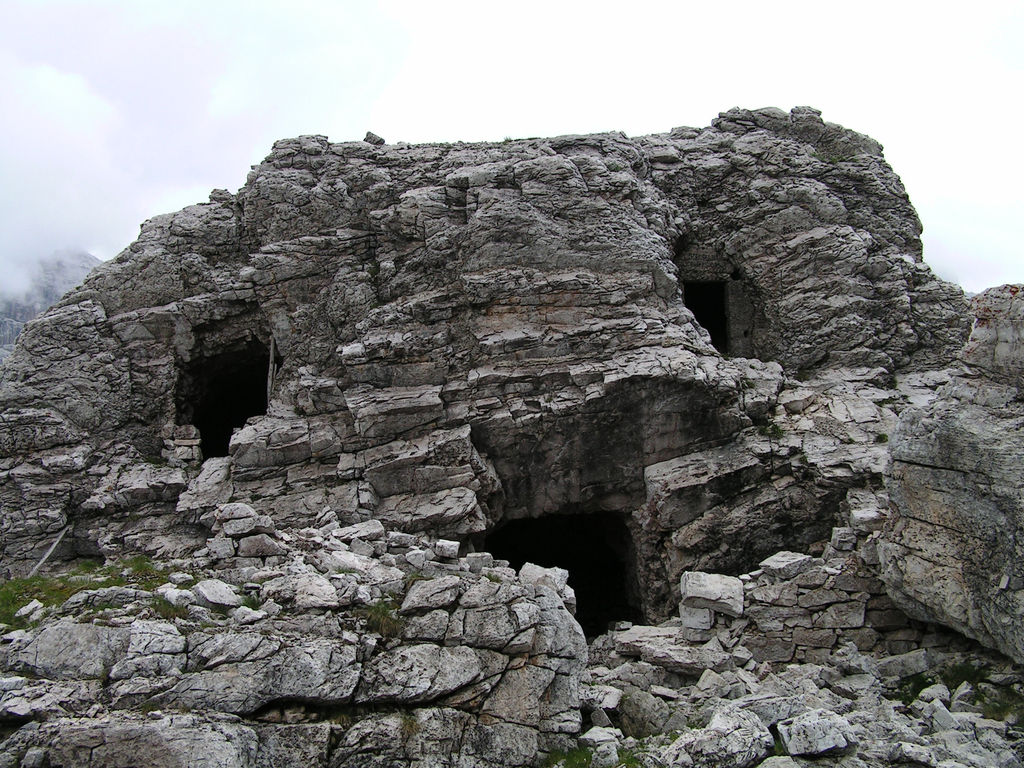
point(786, 565)
point(214, 593)
point(712, 590)
point(686, 659)
point(664, 648)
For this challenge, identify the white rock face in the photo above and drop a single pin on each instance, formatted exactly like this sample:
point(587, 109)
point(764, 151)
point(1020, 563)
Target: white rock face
point(713, 591)
point(957, 490)
point(996, 344)
point(217, 594)
point(817, 732)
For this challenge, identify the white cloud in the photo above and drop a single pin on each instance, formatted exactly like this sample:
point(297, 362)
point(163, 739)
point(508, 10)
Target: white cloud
point(124, 108)
point(56, 165)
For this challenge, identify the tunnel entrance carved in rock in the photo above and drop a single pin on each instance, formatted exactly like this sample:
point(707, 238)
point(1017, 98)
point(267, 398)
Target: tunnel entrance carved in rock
point(596, 549)
point(720, 297)
point(217, 393)
point(707, 300)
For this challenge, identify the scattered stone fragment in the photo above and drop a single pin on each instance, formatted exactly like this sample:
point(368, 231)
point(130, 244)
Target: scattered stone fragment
point(816, 732)
point(214, 593)
point(786, 565)
point(711, 590)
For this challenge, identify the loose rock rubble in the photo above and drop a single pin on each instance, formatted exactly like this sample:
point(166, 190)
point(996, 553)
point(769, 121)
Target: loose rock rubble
point(763, 680)
point(337, 646)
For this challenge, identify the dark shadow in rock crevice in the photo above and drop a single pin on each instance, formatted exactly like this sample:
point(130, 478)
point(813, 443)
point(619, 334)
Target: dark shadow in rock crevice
point(721, 299)
point(218, 392)
point(595, 547)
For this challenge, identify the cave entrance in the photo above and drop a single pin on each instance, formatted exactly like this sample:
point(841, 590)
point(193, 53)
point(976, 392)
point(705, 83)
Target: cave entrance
point(707, 300)
point(597, 550)
point(217, 393)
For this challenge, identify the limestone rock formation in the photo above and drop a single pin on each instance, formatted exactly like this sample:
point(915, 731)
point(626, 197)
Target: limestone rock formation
point(954, 553)
point(50, 279)
point(472, 454)
point(455, 336)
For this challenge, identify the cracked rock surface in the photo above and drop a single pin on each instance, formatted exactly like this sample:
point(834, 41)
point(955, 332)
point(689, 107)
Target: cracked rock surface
point(301, 466)
point(953, 553)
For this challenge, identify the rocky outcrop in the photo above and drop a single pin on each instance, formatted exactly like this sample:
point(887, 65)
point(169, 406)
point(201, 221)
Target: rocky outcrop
point(50, 279)
point(400, 426)
point(328, 652)
point(483, 317)
point(953, 552)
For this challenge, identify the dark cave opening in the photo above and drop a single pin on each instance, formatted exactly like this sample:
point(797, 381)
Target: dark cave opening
point(596, 549)
point(707, 300)
point(219, 392)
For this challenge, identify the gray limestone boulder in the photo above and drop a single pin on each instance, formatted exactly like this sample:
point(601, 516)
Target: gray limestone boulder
point(733, 738)
point(69, 650)
point(165, 741)
point(817, 732)
point(786, 565)
point(712, 590)
point(215, 593)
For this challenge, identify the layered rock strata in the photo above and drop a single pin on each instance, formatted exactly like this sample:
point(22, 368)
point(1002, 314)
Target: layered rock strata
point(318, 404)
point(459, 335)
point(954, 552)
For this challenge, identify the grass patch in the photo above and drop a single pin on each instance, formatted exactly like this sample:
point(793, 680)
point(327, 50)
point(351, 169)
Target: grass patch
point(165, 609)
point(144, 573)
point(771, 430)
point(829, 157)
point(251, 601)
point(953, 676)
point(575, 758)
point(778, 748)
point(49, 590)
point(413, 577)
point(912, 686)
point(137, 571)
point(381, 618)
point(409, 726)
point(1002, 704)
point(881, 437)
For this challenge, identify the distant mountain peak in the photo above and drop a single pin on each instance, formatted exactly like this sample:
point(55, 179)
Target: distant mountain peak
point(49, 279)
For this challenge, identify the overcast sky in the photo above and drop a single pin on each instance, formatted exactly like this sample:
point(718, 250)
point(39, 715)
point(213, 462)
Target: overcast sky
point(118, 110)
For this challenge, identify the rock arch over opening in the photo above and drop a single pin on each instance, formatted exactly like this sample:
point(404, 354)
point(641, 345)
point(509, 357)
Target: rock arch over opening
point(597, 550)
point(218, 392)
